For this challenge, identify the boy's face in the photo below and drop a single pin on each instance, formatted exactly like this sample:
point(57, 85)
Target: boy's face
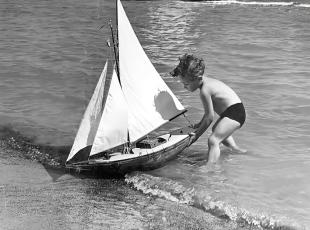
point(190, 84)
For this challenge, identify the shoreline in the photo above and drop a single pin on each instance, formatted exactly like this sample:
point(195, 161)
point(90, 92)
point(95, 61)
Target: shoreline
point(27, 179)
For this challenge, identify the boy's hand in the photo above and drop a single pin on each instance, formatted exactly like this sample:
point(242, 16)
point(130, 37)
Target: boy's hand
point(182, 131)
point(192, 138)
point(194, 126)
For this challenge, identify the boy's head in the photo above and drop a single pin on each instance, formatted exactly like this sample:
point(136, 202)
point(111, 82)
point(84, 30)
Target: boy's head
point(190, 71)
point(190, 67)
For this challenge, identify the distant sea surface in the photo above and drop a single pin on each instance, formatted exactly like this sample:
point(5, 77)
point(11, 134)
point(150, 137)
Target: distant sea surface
point(52, 53)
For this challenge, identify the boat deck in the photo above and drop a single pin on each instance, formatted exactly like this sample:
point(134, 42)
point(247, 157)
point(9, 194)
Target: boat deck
point(138, 152)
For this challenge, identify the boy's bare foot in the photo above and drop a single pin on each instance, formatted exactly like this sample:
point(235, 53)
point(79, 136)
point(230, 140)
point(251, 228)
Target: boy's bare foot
point(239, 150)
point(234, 148)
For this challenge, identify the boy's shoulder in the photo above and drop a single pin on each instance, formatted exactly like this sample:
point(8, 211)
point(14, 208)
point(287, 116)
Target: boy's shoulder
point(213, 86)
point(213, 82)
point(206, 87)
point(209, 82)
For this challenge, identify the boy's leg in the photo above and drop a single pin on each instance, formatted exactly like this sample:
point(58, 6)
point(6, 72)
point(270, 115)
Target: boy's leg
point(223, 129)
point(229, 141)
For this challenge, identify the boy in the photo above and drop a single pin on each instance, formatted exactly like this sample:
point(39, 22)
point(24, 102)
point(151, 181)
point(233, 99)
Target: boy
point(216, 97)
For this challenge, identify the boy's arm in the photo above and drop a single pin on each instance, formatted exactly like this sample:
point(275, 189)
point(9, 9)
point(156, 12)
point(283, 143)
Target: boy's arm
point(196, 126)
point(207, 117)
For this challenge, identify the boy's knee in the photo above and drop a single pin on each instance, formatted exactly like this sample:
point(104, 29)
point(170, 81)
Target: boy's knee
point(213, 140)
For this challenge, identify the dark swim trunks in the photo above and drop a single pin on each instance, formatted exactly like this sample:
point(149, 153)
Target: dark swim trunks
point(235, 112)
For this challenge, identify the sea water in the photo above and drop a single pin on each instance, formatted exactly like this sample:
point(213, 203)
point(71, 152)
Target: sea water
point(52, 53)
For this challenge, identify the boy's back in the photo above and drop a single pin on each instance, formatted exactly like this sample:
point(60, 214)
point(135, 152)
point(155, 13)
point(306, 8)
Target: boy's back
point(221, 94)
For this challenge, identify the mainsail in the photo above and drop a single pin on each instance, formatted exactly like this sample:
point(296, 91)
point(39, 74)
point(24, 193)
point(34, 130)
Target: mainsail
point(90, 121)
point(150, 101)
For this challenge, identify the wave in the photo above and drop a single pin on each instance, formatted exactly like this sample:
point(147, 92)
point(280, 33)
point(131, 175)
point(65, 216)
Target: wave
point(175, 191)
point(254, 3)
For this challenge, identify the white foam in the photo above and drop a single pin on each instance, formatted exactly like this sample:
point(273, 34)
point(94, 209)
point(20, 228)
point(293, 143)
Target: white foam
point(303, 5)
point(229, 2)
point(268, 3)
point(160, 187)
point(220, 2)
point(252, 3)
point(174, 191)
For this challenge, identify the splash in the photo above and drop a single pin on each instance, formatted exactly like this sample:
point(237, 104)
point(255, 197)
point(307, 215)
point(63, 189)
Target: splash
point(161, 187)
point(177, 192)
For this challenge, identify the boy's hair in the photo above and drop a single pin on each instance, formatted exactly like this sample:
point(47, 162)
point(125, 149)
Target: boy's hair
point(189, 67)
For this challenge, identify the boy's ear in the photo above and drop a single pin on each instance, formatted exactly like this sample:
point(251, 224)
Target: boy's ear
point(174, 72)
point(199, 78)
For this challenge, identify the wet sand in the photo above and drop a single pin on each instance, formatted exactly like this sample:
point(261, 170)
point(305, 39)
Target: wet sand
point(38, 197)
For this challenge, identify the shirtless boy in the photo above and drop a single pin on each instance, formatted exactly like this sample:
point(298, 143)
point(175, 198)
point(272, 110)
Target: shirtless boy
point(216, 97)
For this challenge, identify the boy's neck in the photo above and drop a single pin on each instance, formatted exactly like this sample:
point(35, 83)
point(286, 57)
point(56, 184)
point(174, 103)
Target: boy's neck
point(203, 78)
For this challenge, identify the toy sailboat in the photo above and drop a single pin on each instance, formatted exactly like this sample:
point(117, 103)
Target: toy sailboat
point(125, 108)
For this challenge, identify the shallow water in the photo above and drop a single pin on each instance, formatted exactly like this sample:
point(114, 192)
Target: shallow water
point(53, 53)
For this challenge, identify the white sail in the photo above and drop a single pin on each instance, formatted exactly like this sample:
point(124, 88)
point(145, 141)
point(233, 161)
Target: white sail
point(90, 121)
point(151, 103)
point(113, 127)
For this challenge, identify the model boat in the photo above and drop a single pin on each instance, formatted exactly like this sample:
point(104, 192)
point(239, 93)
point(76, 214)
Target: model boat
point(125, 108)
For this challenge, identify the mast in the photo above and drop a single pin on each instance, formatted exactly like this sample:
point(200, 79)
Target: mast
point(116, 20)
point(116, 53)
point(115, 49)
point(115, 42)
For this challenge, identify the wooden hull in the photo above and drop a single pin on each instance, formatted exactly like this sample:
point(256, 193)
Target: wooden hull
point(153, 159)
